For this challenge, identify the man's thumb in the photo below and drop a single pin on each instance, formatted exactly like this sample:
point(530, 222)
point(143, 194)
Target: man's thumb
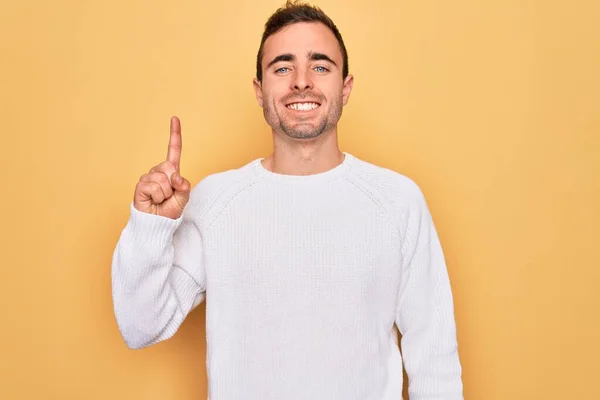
point(179, 183)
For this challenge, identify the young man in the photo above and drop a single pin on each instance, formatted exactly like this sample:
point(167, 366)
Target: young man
point(306, 258)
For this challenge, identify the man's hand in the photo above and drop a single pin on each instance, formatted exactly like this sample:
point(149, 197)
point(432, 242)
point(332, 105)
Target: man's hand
point(163, 191)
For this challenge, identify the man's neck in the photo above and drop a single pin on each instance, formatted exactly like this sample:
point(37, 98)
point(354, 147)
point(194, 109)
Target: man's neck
point(296, 157)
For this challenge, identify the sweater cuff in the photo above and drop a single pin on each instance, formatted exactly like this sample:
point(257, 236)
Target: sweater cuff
point(150, 228)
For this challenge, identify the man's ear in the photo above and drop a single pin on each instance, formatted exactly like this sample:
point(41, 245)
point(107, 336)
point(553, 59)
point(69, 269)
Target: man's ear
point(348, 82)
point(258, 90)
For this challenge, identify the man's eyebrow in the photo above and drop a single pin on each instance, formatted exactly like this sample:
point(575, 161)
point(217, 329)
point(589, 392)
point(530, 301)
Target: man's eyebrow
point(320, 56)
point(282, 57)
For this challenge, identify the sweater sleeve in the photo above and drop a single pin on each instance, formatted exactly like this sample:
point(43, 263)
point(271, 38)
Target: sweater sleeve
point(157, 276)
point(425, 311)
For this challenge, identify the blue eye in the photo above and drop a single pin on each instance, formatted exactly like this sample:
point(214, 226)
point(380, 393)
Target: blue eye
point(280, 70)
point(321, 69)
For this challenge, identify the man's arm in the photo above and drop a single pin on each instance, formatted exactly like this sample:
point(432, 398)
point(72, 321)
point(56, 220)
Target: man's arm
point(157, 276)
point(425, 311)
point(157, 266)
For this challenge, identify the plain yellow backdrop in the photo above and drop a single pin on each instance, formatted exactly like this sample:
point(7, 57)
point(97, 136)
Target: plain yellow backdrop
point(491, 106)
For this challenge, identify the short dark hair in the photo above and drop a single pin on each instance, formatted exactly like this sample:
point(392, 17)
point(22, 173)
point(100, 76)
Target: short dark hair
point(293, 12)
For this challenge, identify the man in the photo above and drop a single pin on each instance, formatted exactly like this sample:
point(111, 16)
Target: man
point(306, 258)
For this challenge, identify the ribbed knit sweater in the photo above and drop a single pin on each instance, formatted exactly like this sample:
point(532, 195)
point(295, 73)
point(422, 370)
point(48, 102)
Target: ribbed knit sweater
point(304, 278)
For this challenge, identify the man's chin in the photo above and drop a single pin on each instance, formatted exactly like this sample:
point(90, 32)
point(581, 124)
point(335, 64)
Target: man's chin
point(303, 131)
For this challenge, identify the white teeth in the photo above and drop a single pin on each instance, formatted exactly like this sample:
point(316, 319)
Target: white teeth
point(303, 106)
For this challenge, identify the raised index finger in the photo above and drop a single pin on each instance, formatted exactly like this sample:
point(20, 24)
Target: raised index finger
point(174, 152)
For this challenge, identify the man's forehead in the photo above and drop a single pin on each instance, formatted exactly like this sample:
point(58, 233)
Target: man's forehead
point(301, 39)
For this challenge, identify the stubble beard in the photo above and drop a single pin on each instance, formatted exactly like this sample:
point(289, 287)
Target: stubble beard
point(298, 129)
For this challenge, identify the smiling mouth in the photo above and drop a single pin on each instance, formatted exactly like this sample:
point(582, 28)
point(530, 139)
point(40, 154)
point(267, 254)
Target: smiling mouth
point(303, 106)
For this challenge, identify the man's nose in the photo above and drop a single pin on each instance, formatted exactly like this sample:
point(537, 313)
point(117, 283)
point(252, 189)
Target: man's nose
point(301, 80)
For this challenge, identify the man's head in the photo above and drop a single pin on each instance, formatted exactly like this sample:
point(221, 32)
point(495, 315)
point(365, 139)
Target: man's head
point(302, 79)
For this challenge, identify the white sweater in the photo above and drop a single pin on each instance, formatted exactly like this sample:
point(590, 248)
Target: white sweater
point(304, 278)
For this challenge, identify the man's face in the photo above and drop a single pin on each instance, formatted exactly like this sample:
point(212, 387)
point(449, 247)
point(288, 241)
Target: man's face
point(302, 92)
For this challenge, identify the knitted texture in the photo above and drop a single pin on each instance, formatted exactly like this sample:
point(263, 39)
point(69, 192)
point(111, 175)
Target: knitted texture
point(304, 278)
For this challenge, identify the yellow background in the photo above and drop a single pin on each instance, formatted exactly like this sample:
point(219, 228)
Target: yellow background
point(491, 106)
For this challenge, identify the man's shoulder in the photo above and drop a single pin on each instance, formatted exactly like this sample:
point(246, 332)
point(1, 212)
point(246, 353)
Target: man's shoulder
point(217, 188)
point(395, 193)
point(385, 180)
point(217, 181)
